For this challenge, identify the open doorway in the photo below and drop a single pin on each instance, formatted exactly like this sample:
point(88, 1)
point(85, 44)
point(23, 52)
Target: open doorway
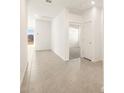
point(74, 45)
point(30, 36)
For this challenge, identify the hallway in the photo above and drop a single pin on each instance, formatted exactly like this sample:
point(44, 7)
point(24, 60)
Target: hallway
point(74, 52)
point(50, 74)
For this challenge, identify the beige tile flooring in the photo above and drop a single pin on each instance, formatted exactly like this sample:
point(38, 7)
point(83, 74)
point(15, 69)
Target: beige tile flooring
point(50, 74)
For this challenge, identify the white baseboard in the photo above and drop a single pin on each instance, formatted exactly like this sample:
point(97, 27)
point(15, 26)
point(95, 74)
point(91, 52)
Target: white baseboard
point(100, 60)
point(95, 60)
point(59, 55)
point(22, 78)
point(43, 50)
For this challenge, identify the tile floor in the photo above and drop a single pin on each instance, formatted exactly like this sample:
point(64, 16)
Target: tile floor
point(48, 73)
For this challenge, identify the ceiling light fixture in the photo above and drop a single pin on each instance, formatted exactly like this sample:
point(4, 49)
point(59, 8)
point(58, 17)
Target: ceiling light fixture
point(93, 2)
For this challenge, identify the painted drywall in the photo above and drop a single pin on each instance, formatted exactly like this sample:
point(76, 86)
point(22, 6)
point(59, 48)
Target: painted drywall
point(42, 33)
point(74, 18)
point(60, 35)
point(23, 39)
point(94, 15)
point(98, 29)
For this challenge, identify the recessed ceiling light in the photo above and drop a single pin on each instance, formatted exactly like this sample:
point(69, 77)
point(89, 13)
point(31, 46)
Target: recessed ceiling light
point(93, 2)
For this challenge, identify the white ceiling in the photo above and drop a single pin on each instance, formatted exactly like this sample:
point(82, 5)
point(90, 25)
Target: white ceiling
point(43, 9)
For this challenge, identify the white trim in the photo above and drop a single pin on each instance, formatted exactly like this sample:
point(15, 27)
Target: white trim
point(59, 56)
point(97, 61)
point(22, 78)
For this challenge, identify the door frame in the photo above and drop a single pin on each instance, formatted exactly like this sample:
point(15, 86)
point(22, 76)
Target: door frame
point(80, 28)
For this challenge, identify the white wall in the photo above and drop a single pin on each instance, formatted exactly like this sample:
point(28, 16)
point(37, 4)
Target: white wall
point(94, 15)
point(23, 39)
point(42, 34)
point(60, 35)
point(74, 18)
point(98, 29)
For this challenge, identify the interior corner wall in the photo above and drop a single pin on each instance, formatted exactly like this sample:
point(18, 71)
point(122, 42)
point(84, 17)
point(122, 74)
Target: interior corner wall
point(95, 14)
point(99, 34)
point(23, 39)
point(60, 35)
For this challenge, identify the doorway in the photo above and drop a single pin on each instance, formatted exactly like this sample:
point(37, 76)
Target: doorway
point(87, 44)
point(74, 45)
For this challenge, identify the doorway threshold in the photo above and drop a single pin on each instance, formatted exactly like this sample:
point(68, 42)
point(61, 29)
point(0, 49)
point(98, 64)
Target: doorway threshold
point(75, 60)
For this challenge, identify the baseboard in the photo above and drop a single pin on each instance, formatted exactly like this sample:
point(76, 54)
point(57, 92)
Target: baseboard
point(21, 80)
point(43, 50)
point(59, 56)
point(98, 60)
point(85, 59)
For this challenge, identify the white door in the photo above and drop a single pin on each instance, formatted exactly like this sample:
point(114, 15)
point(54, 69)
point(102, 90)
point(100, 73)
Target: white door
point(42, 35)
point(87, 40)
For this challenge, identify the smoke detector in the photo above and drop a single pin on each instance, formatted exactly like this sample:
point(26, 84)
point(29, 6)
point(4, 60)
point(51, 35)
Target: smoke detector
point(49, 1)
